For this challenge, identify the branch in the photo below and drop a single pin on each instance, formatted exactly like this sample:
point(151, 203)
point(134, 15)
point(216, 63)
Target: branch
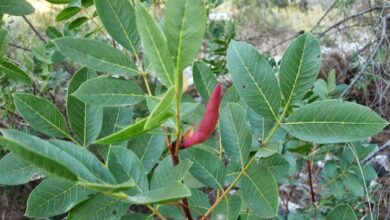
point(19, 47)
point(325, 14)
point(371, 59)
point(371, 155)
point(34, 29)
point(352, 17)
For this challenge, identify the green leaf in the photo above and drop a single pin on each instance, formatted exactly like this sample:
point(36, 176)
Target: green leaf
point(231, 95)
point(15, 171)
point(140, 126)
point(126, 166)
point(162, 109)
point(148, 149)
point(166, 173)
point(299, 67)
point(137, 216)
point(86, 162)
point(108, 91)
point(199, 203)
point(254, 79)
point(3, 42)
point(87, 3)
point(204, 80)
point(118, 18)
point(163, 194)
point(60, 1)
point(96, 55)
point(77, 22)
point(85, 120)
point(14, 73)
point(41, 114)
point(184, 27)
point(16, 7)
point(342, 212)
point(259, 125)
point(53, 33)
point(277, 165)
point(260, 191)
point(353, 184)
point(54, 197)
point(229, 208)
point(155, 45)
point(334, 121)
point(67, 13)
point(207, 167)
point(124, 134)
point(236, 137)
point(99, 207)
point(37, 152)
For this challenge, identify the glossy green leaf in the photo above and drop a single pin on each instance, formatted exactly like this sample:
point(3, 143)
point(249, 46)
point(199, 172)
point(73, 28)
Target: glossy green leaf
point(334, 121)
point(254, 79)
point(299, 67)
point(68, 13)
point(108, 91)
point(163, 194)
point(41, 114)
point(204, 80)
point(15, 171)
point(162, 109)
point(87, 162)
point(60, 1)
point(259, 125)
point(260, 191)
point(3, 42)
point(96, 55)
point(118, 18)
point(53, 33)
point(148, 149)
point(37, 152)
point(199, 203)
point(54, 197)
point(14, 73)
point(126, 166)
point(124, 134)
point(236, 137)
point(135, 129)
point(276, 164)
point(155, 45)
point(85, 120)
point(184, 27)
point(208, 168)
point(166, 173)
point(229, 208)
point(87, 3)
point(137, 216)
point(99, 207)
point(77, 22)
point(114, 119)
point(16, 7)
point(342, 212)
point(231, 95)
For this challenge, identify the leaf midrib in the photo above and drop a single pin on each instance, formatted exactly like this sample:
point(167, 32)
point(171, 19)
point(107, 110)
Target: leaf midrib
point(41, 116)
point(254, 82)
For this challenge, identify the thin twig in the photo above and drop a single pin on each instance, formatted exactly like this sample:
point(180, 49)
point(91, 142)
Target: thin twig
point(19, 47)
point(325, 14)
point(371, 59)
point(34, 29)
point(371, 155)
point(350, 18)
